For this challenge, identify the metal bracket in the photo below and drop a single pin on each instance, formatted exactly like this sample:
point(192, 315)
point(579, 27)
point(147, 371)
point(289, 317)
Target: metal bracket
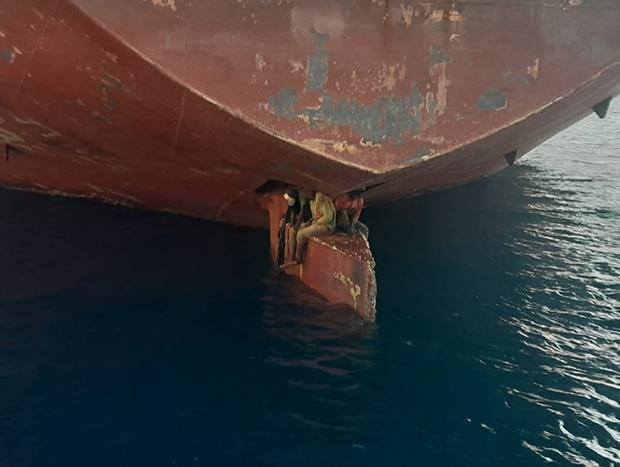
point(602, 107)
point(511, 157)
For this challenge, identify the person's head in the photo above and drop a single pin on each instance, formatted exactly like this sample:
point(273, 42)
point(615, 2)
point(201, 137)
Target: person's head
point(290, 196)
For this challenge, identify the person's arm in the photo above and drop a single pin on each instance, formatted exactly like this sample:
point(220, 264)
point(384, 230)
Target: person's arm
point(359, 205)
point(327, 210)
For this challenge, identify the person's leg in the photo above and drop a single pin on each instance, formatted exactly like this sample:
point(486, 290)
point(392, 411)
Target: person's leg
point(343, 224)
point(281, 248)
point(362, 229)
point(342, 220)
point(304, 234)
point(292, 243)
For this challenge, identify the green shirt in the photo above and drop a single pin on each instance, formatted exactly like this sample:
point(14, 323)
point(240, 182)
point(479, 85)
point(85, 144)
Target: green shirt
point(323, 211)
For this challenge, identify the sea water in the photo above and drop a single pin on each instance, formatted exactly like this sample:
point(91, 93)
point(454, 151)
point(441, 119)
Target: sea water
point(140, 339)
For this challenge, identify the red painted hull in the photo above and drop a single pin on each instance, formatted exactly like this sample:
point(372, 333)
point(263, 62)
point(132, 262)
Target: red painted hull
point(192, 107)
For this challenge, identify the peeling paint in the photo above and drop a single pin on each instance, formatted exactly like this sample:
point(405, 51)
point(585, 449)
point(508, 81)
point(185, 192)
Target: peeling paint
point(111, 56)
point(448, 15)
point(354, 289)
point(7, 55)
point(8, 137)
point(260, 62)
point(296, 66)
point(99, 116)
point(436, 16)
point(49, 132)
point(442, 91)
point(420, 154)
point(111, 80)
point(322, 144)
point(407, 13)
point(493, 99)
point(532, 70)
point(318, 63)
point(438, 56)
point(164, 3)
point(516, 78)
point(387, 119)
point(389, 76)
point(123, 196)
point(228, 170)
point(39, 14)
point(283, 103)
point(110, 83)
point(201, 172)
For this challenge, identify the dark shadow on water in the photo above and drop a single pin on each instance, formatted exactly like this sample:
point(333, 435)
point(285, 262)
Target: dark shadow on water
point(53, 245)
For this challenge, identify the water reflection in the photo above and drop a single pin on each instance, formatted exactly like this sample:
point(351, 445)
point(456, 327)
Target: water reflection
point(567, 305)
point(322, 352)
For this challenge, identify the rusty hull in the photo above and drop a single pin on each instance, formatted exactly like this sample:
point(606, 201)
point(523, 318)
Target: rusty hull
point(338, 267)
point(192, 106)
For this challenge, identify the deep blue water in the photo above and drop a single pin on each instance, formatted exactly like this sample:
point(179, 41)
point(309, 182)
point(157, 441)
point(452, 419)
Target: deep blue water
point(140, 339)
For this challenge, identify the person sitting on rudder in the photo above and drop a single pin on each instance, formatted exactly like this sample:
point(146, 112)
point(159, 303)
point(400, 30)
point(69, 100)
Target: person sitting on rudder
point(293, 209)
point(348, 210)
point(323, 223)
point(301, 214)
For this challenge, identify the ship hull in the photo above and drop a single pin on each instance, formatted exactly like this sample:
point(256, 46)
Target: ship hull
point(199, 107)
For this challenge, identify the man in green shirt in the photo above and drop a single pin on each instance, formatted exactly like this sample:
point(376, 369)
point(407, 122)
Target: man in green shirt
point(323, 223)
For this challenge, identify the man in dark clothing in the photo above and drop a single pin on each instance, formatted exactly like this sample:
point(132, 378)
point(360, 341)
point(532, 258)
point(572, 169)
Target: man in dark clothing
point(348, 210)
point(297, 212)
